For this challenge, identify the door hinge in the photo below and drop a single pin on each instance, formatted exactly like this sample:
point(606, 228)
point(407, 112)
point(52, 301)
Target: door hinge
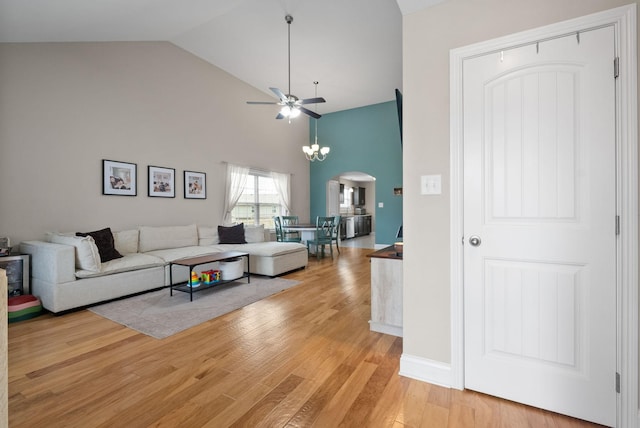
point(616, 67)
point(617, 382)
point(617, 225)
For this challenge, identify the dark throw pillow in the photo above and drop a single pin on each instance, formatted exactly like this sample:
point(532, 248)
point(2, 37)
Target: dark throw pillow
point(105, 244)
point(232, 234)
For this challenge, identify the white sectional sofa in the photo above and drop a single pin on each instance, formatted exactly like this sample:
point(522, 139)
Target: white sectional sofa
point(67, 273)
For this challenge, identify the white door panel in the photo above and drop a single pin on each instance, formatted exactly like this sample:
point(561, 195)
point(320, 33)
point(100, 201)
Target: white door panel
point(531, 175)
point(539, 191)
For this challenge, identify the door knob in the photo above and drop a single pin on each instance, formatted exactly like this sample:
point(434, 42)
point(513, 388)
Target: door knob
point(475, 241)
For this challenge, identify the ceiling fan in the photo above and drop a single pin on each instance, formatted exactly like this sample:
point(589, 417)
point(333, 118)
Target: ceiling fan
point(291, 105)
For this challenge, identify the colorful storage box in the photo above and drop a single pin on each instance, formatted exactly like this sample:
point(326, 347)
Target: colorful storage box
point(23, 307)
point(210, 276)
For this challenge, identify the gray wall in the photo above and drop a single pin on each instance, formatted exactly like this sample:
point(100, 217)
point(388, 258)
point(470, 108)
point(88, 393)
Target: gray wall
point(428, 36)
point(66, 106)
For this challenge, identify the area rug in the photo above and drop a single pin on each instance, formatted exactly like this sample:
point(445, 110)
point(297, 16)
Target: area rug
point(159, 315)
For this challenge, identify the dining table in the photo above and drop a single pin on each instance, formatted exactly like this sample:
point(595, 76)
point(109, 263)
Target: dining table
point(307, 231)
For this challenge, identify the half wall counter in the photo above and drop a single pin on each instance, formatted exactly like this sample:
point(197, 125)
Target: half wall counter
point(386, 291)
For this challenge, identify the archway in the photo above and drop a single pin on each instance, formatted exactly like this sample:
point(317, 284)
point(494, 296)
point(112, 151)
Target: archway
point(352, 195)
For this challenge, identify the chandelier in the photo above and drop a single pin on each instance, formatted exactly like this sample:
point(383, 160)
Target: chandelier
point(315, 152)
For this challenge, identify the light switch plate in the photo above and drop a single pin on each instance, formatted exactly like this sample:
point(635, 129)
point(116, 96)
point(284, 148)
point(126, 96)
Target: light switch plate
point(431, 184)
point(380, 204)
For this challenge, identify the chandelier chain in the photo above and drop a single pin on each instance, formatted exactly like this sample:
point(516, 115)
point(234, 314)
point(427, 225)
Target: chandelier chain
point(315, 153)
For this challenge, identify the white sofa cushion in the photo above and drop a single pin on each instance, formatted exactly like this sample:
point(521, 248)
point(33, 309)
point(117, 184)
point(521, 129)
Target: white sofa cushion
point(173, 254)
point(208, 235)
point(264, 249)
point(127, 263)
point(159, 238)
point(254, 233)
point(126, 241)
point(87, 255)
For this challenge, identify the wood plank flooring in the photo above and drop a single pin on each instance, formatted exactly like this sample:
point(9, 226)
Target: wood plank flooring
point(302, 358)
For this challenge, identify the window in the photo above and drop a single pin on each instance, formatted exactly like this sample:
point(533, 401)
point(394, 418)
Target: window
point(259, 202)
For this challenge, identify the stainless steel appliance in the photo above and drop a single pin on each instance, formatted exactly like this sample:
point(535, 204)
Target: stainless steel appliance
point(351, 227)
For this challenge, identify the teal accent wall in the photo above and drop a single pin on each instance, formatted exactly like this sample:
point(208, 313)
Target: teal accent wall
point(365, 139)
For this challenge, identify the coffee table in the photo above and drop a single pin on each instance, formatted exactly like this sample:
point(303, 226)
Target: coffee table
point(192, 262)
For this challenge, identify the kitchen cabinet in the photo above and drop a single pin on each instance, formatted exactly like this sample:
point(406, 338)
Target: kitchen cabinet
point(362, 225)
point(358, 196)
point(354, 226)
point(361, 200)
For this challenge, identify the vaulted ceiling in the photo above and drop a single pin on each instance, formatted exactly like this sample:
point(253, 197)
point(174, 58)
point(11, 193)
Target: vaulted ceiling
point(353, 48)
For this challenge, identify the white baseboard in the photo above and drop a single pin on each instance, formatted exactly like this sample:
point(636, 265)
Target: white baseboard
point(426, 370)
point(385, 328)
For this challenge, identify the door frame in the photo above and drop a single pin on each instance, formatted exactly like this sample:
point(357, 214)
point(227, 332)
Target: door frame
point(623, 20)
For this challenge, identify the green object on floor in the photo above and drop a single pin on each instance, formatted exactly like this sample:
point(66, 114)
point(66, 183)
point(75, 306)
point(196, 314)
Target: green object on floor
point(20, 308)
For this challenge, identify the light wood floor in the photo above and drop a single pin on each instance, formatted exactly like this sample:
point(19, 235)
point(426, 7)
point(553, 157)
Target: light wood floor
point(304, 357)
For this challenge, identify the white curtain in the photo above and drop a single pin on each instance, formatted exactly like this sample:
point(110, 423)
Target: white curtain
point(283, 187)
point(236, 180)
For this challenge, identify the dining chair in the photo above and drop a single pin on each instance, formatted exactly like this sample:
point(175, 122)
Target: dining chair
point(287, 235)
point(323, 236)
point(335, 236)
point(278, 226)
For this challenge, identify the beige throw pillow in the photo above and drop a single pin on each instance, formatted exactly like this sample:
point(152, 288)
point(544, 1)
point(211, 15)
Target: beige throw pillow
point(87, 255)
point(163, 237)
point(126, 241)
point(254, 233)
point(208, 235)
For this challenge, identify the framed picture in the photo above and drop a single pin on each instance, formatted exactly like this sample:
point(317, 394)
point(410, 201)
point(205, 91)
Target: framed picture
point(195, 185)
point(119, 178)
point(162, 182)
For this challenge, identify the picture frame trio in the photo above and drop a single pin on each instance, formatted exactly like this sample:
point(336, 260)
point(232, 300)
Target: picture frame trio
point(120, 178)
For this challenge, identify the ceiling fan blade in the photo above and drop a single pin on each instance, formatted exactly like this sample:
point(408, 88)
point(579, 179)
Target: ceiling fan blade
point(312, 100)
point(279, 93)
point(262, 102)
point(310, 113)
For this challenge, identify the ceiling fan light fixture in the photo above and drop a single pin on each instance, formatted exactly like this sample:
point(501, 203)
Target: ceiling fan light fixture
point(292, 106)
point(290, 112)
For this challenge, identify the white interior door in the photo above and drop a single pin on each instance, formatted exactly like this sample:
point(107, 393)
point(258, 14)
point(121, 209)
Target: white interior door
point(539, 194)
